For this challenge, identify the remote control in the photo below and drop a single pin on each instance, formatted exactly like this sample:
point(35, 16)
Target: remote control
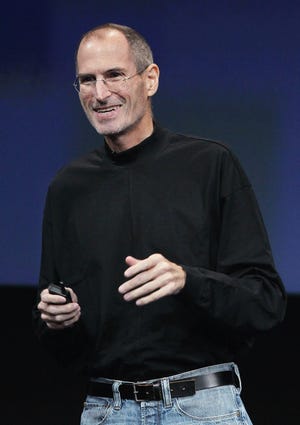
point(58, 288)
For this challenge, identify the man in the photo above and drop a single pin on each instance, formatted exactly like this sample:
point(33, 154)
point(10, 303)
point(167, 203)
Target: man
point(161, 245)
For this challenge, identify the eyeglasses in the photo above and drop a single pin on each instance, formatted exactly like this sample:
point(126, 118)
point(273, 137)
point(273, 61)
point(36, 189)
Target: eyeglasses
point(114, 82)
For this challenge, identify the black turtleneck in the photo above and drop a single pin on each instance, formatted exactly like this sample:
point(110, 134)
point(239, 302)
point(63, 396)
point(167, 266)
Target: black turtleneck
point(188, 199)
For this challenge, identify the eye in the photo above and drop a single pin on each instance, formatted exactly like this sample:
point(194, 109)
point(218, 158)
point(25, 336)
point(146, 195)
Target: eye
point(114, 76)
point(86, 79)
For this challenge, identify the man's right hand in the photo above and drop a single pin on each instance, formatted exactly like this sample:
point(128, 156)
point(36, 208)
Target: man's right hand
point(56, 313)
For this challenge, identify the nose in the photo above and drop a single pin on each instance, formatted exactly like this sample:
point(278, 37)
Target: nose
point(101, 90)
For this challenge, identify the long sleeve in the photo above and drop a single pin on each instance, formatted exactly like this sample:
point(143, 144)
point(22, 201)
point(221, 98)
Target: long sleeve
point(66, 345)
point(244, 291)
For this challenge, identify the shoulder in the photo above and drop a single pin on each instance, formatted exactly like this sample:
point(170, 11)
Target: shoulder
point(212, 157)
point(199, 146)
point(75, 173)
point(191, 141)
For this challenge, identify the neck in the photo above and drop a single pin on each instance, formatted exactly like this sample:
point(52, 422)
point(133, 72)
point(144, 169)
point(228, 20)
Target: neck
point(130, 137)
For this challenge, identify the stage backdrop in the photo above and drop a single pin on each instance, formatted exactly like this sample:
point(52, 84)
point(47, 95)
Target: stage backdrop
point(229, 71)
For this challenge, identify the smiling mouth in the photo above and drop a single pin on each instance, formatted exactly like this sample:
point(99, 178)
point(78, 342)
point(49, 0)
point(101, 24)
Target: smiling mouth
point(107, 109)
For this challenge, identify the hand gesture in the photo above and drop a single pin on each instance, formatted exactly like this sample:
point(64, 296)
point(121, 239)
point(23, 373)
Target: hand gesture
point(56, 312)
point(151, 279)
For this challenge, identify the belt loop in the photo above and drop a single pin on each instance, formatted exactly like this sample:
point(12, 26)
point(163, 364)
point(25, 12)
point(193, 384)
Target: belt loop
point(117, 395)
point(166, 393)
point(237, 372)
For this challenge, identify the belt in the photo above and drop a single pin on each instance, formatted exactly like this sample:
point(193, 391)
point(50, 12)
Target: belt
point(153, 391)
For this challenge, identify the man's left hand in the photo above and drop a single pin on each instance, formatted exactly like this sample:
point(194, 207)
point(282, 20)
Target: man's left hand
point(151, 279)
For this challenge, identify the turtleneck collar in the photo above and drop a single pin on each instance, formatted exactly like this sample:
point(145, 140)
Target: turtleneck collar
point(146, 146)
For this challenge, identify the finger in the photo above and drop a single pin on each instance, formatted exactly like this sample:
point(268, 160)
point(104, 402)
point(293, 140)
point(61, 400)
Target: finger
point(73, 295)
point(52, 299)
point(55, 309)
point(60, 318)
point(57, 299)
point(157, 268)
point(136, 268)
point(166, 281)
point(143, 265)
point(141, 291)
point(139, 280)
point(154, 296)
point(131, 261)
point(63, 325)
point(165, 284)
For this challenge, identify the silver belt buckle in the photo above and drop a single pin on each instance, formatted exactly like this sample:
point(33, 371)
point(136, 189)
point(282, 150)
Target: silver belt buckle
point(149, 393)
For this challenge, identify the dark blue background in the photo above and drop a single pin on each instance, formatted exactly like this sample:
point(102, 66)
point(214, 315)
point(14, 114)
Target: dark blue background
point(229, 71)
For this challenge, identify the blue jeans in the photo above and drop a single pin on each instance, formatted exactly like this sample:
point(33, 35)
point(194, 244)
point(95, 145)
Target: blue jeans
point(215, 406)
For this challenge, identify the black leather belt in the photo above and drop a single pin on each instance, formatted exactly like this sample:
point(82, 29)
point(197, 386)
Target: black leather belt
point(150, 392)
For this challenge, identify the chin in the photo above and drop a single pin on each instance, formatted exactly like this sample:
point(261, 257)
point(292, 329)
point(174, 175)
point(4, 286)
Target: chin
point(109, 130)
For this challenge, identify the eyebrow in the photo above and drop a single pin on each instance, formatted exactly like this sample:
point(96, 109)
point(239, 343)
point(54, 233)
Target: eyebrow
point(116, 69)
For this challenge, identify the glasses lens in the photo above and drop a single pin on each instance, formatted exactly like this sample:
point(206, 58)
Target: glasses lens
point(114, 83)
point(111, 83)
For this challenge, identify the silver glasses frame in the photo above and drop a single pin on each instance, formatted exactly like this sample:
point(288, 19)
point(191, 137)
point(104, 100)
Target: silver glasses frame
point(105, 81)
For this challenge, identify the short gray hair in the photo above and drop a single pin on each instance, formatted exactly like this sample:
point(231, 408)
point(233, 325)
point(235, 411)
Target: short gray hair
point(139, 47)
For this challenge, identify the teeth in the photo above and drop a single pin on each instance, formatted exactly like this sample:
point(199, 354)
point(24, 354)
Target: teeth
point(105, 110)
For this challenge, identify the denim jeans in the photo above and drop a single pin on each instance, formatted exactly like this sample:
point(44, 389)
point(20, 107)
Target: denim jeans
point(215, 406)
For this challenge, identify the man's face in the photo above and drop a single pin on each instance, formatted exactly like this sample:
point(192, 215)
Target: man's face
point(118, 111)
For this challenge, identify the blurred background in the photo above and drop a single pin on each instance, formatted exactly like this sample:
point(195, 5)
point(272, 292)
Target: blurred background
point(230, 71)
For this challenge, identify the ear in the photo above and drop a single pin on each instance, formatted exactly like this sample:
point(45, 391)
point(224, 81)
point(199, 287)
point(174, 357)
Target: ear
point(152, 79)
